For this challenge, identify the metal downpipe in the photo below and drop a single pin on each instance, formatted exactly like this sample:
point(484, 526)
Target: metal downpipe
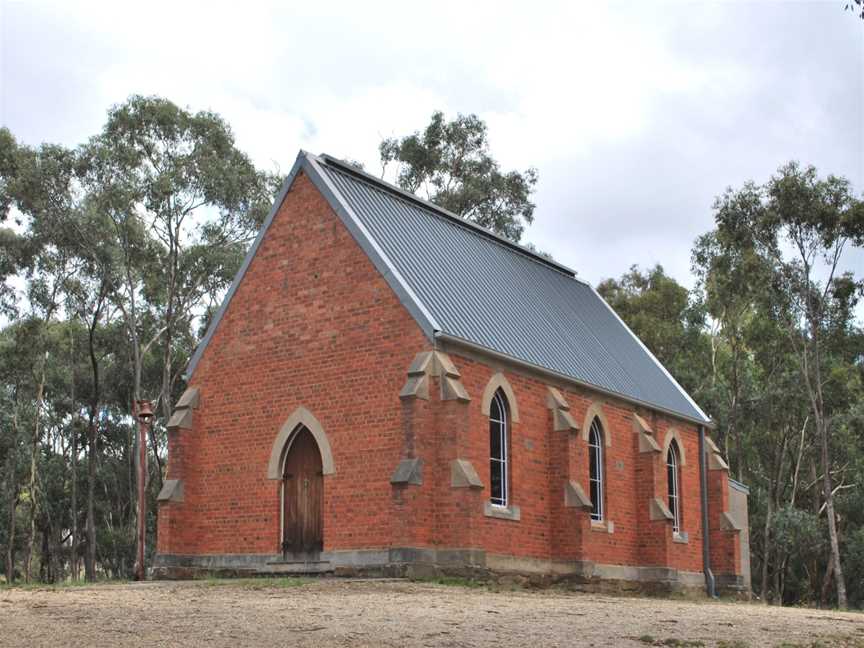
point(706, 535)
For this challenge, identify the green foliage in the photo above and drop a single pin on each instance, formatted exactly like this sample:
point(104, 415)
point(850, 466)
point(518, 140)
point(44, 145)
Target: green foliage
point(671, 641)
point(769, 345)
point(451, 163)
point(121, 244)
point(798, 534)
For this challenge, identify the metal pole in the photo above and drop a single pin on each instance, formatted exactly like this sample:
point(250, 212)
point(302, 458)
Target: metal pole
point(142, 499)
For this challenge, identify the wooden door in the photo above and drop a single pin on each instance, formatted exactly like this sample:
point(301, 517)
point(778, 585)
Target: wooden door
point(303, 492)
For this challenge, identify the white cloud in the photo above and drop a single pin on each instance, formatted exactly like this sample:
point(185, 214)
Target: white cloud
point(636, 114)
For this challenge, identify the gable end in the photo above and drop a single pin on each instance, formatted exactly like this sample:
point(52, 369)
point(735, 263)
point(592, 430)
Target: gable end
point(307, 164)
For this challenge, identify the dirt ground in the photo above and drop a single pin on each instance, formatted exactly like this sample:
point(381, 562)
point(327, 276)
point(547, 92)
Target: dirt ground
point(332, 612)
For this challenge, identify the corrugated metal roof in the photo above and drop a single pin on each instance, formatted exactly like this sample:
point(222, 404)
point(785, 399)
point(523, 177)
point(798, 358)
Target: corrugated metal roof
point(494, 294)
point(467, 283)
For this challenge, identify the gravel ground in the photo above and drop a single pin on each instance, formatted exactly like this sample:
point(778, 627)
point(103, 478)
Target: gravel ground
point(332, 612)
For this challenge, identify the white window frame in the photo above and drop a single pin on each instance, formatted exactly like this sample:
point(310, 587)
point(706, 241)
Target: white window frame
point(500, 401)
point(595, 446)
point(673, 468)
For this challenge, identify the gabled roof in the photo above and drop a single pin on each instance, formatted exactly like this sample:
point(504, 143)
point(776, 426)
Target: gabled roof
point(465, 284)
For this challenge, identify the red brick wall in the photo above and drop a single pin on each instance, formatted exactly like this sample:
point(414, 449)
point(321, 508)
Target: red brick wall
point(537, 485)
point(725, 544)
point(313, 323)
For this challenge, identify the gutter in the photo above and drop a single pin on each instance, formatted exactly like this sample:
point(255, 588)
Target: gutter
point(461, 342)
point(706, 535)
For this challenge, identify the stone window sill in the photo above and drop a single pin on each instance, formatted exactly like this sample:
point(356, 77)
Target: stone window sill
point(680, 537)
point(603, 526)
point(511, 512)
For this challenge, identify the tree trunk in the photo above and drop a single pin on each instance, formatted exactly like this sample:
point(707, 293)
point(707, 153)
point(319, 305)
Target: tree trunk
point(817, 401)
point(766, 554)
point(784, 565)
point(826, 582)
point(832, 520)
point(736, 399)
point(73, 554)
point(778, 599)
point(73, 562)
point(92, 427)
point(34, 453)
point(10, 549)
point(131, 320)
point(14, 493)
point(90, 556)
point(45, 574)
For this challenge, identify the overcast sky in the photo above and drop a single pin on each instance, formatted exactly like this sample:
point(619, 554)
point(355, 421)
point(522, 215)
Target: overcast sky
point(635, 114)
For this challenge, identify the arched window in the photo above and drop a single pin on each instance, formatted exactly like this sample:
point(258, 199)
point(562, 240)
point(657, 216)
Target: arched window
point(499, 435)
point(595, 475)
point(673, 479)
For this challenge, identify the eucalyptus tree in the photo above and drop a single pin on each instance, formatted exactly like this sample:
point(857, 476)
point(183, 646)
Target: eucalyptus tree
point(15, 381)
point(67, 257)
point(450, 162)
point(817, 218)
point(40, 184)
point(786, 239)
point(184, 202)
point(732, 277)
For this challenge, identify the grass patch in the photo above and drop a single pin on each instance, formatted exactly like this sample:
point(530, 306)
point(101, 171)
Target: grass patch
point(264, 582)
point(671, 641)
point(735, 643)
point(453, 581)
point(835, 641)
point(69, 584)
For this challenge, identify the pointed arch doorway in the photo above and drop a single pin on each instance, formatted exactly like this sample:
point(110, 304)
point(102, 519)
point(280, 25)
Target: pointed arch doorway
point(302, 496)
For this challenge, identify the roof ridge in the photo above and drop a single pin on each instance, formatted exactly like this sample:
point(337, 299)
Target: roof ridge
point(437, 210)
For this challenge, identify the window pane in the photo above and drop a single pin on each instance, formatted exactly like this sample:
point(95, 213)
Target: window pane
point(496, 472)
point(495, 440)
point(670, 479)
point(498, 434)
point(595, 469)
point(672, 485)
point(495, 409)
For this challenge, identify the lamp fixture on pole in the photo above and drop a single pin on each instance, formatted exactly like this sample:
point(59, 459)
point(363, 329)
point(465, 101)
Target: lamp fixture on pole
point(143, 411)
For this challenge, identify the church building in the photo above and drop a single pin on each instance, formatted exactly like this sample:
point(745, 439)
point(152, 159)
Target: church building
point(388, 389)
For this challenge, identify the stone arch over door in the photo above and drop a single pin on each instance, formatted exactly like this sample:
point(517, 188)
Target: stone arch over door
point(300, 419)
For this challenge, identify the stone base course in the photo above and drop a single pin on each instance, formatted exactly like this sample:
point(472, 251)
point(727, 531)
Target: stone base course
point(423, 563)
